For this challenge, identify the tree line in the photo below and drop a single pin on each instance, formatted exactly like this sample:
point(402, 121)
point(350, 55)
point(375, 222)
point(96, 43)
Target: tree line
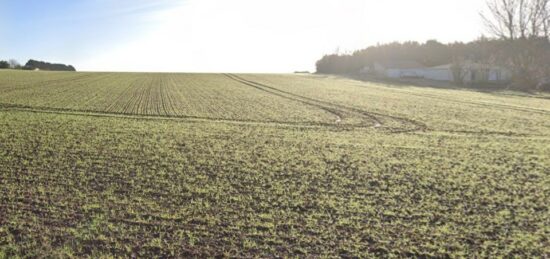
point(520, 33)
point(34, 65)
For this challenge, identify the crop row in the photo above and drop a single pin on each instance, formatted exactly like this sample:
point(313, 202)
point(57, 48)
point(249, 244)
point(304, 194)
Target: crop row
point(192, 95)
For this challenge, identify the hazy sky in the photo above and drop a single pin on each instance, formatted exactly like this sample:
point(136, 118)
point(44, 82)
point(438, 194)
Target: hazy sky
point(221, 35)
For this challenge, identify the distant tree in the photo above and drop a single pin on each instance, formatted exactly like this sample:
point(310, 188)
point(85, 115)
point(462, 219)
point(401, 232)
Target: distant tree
point(14, 64)
point(524, 25)
point(528, 59)
point(34, 64)
point(459, 70)
point(520, 43)
point(4, 64)
point(431, 53)
point(434, 53)
point(337, 64)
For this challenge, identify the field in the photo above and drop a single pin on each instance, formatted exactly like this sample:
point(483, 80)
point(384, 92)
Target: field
point(252, 165)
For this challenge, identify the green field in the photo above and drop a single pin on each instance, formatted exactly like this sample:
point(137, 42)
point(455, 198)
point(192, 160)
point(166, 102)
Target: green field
point(251, 165)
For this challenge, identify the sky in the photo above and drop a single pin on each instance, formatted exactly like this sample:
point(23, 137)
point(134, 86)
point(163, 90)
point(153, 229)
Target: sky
point(254, 36)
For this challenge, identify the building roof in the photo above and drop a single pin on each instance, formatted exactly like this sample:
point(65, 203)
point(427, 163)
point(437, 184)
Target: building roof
point(401, 64)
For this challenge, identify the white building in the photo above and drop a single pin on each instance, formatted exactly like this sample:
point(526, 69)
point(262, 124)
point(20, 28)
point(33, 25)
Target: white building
point(469, 72)
point(399, 69)
point(439, 73)
point(483, 73)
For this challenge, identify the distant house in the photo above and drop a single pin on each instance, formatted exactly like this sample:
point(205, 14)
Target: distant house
point(399, 69)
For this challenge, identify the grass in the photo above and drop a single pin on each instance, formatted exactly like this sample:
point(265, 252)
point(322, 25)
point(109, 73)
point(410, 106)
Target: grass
point(298, 165)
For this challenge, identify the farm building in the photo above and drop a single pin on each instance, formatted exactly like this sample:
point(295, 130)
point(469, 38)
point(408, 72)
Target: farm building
point(469, 72)
point(439, 73)
point(482, 73)
point(399, 69)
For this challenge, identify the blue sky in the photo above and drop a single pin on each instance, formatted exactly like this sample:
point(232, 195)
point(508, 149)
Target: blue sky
point(65, 31)
point(220, 35)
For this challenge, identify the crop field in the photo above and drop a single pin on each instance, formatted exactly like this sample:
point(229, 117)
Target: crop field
point(254, 165)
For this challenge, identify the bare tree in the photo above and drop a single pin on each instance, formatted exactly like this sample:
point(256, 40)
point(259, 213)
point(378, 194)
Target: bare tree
point(513, 19)
point(546, 19)
point(502, 18)
point(538, 17)
point(523, 18)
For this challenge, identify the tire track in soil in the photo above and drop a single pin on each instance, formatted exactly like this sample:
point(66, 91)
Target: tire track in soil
point(418, 126)
point(337, 113)
point(183, 118)
point(126, 113)
point(94, 113)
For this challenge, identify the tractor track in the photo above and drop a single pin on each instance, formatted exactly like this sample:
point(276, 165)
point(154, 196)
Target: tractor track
point(293, 124)
point(369, 120)
point(180, 118)
point(126, 115)
point(373, 116)
point(337, 113)
point(417, 126)
point(302, 99)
